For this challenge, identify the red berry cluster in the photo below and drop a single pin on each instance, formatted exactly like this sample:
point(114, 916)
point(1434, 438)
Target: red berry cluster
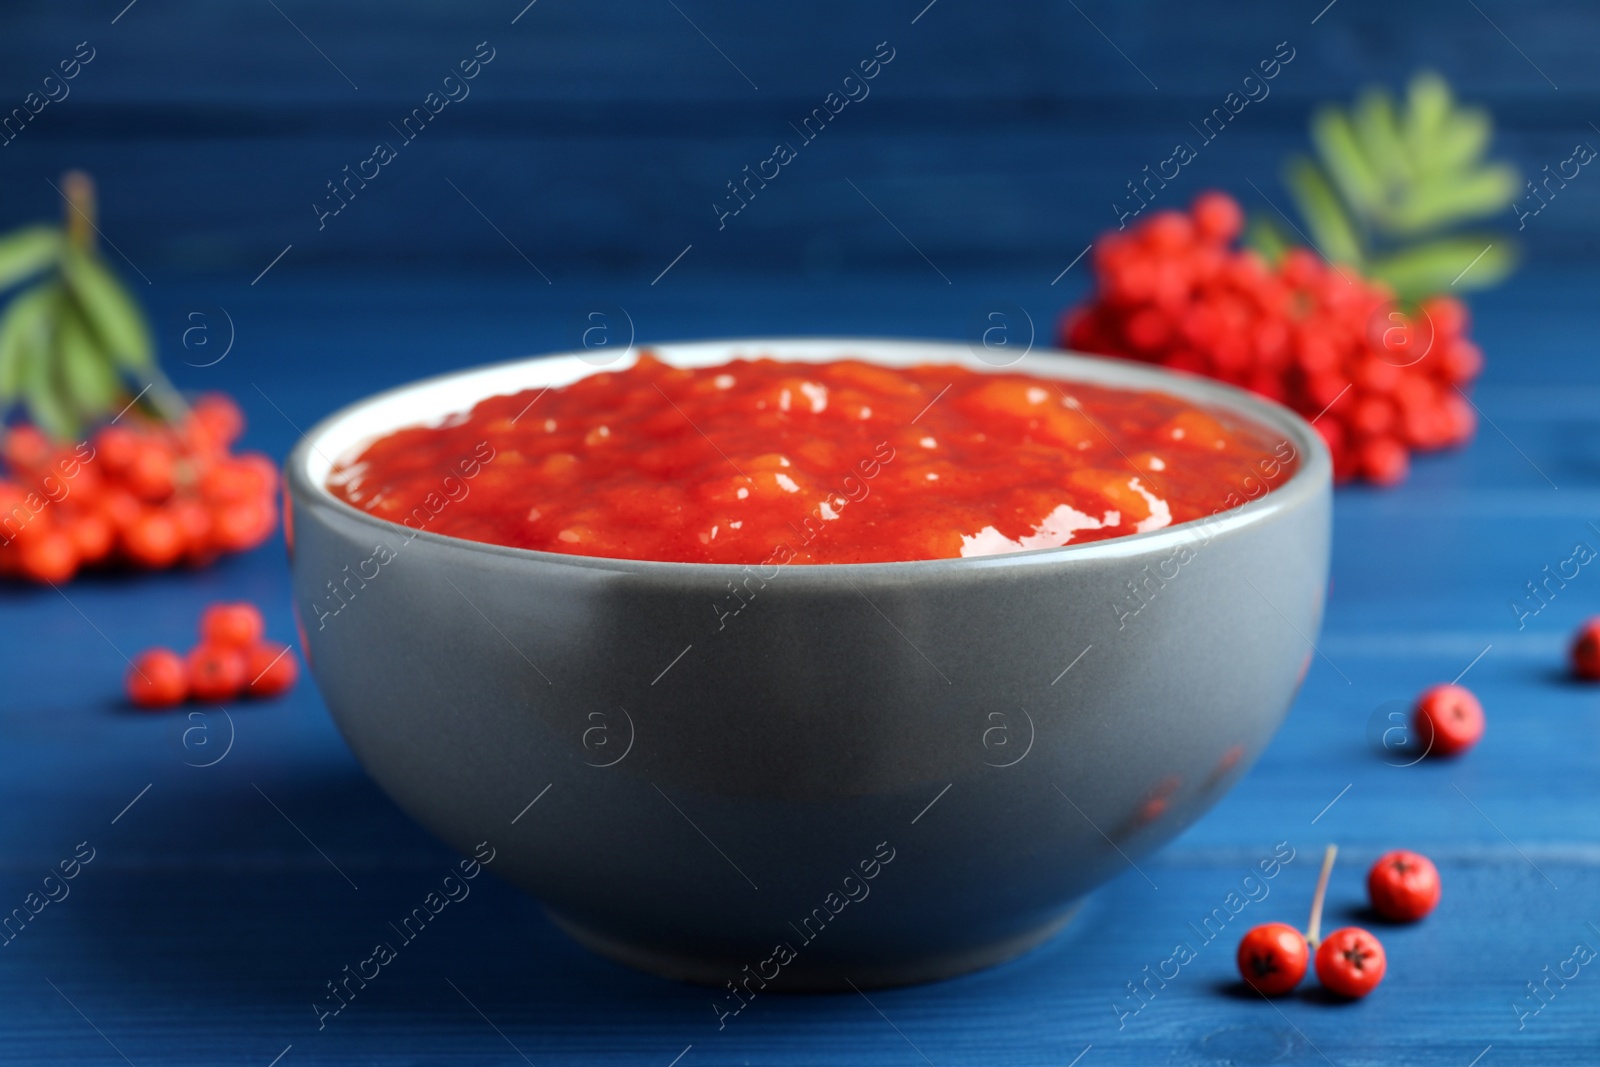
point(1379, 381)
point(232, 658)
point(138, 493)
point(1402, 887)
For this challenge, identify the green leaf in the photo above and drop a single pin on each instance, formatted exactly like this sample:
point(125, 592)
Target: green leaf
point(1331, 230)
point(111, 313)
point(1463, 138)
point(1378, 130)
point(1387, 176)
point(1345, 160)
point(1428, 106)
point(28, 312)
point(87, 371)
point(49, 408)
point(26, 252)
point(1470, 261)
point(1448, 199)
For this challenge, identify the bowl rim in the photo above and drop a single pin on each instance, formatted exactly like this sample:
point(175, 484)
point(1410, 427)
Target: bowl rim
point(307, 465)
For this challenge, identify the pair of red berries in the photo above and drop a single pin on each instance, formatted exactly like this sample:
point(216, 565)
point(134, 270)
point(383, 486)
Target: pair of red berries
point(232, 658)
point(1402, 886)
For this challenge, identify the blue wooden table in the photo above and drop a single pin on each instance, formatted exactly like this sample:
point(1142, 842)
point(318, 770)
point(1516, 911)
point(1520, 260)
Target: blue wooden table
point(238, 867)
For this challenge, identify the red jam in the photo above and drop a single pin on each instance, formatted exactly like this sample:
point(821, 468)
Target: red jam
point(844, 462)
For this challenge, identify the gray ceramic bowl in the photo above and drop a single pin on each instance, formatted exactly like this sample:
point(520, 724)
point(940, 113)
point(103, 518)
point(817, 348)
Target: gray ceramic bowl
point(873, 773)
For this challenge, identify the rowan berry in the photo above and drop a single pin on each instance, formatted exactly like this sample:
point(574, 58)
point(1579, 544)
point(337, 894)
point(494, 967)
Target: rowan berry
point(1448, 315)
point(1463, 360)
point(49, 555)
point(26, 449)
point(151, 475)
point(1217, 216)
point(1372, 416)
point(1168, 231)
point(1350, 962)
point(194, 523)
point(242, 524)
point(1272, 958)
point(157, 679)
point(216, 672)
point(121, 508)
point(1383, 460)
point(115, 448)
point(1447, 720)
point(237, 625)
point(1403, 886)
point(220, 416)
point(272, 670)
point(1586, 651)
point(92, 535)
point(154, 540)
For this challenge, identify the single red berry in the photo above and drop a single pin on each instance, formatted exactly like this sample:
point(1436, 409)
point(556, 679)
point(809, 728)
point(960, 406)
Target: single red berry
point(154, 540)
point(1328, 389)
point(157, 679)
point(121, 508)
point(84, 481)
point(151, 476)
point(220, 416)
point(237, 479)
point(262, 468)
point(232, 626)
point(1148, 330)
point(25, 448)
point(1586, 651)
point(1372, 416)
point(92, 535)
point(1217, 216)
point(1350, 962)
point(242, 524)
point(1168, 231)
point(271, 670)
point(1383, 460)
point(1461, 419)
point(1462, 361)
point(1273, 957)
point(1447, 314)
point(1447, 720)
point(1403, 886)
point(115, 448)
point(49, 556)
point(216, 673)
point(193, 520)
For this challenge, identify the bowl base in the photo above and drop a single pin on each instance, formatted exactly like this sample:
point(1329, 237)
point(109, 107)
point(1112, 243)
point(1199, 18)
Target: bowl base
point(798, 978)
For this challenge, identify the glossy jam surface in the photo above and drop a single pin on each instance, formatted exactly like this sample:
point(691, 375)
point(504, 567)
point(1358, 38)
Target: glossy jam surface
point(766, 462)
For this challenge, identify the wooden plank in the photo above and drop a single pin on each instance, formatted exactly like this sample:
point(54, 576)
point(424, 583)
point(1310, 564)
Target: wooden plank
point(205, 926)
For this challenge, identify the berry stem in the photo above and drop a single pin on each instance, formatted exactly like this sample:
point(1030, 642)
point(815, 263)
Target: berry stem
point(80, 210)
point(1314, 928)
point(164, 399)
point(80, 215)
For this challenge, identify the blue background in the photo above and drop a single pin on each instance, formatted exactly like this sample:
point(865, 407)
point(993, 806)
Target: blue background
point(593, 146)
